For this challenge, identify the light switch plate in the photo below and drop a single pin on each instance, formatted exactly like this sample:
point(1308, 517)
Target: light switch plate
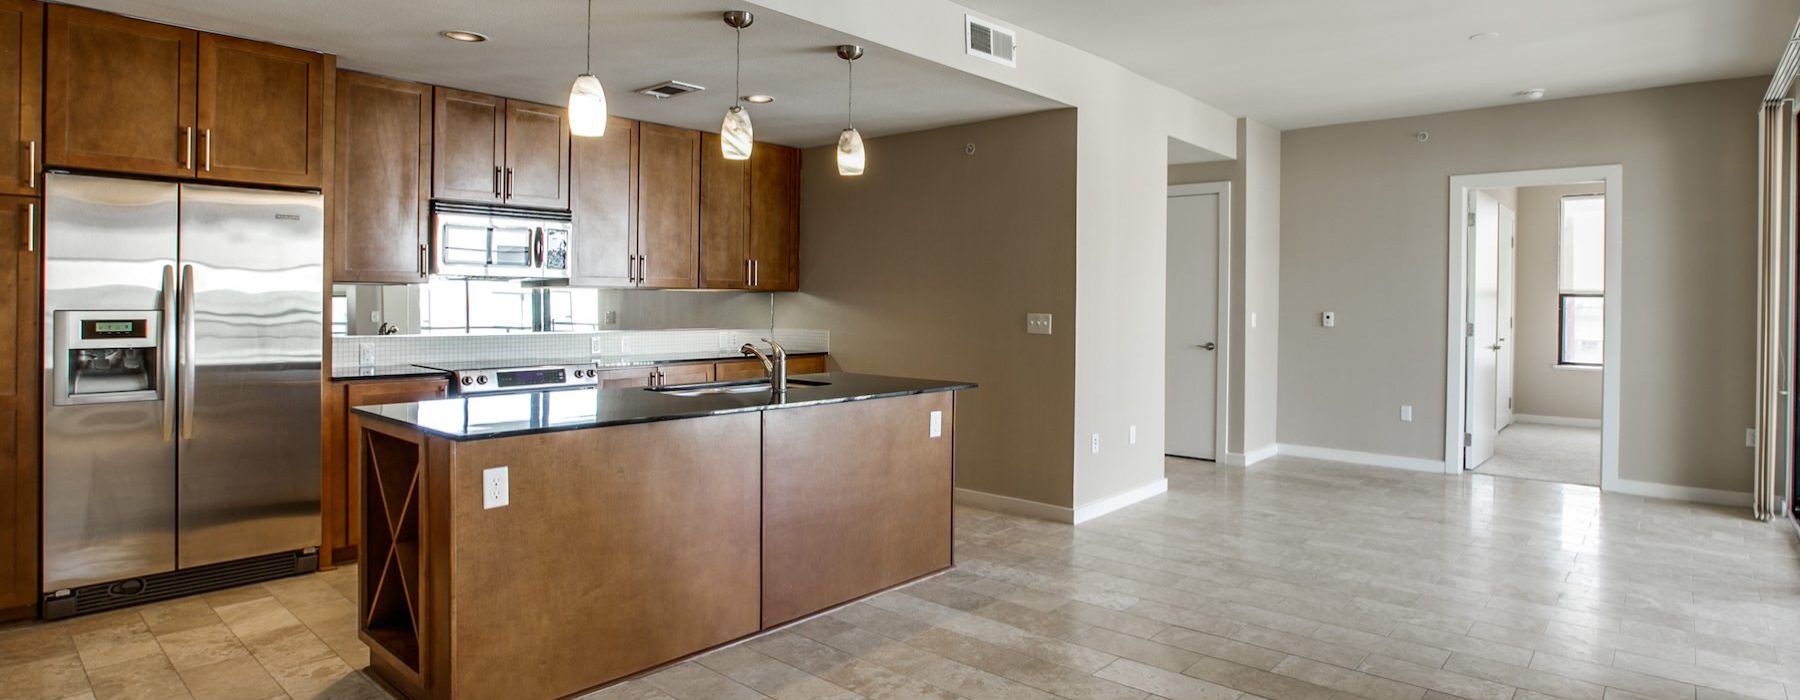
point(1406, 413)
point(937, 423)
point(1134, 435)
point(365, 354)
point(1037, 324)
point(495, 491)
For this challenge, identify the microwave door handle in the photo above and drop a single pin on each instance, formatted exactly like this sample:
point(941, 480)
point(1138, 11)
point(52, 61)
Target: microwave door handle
point(187, 352)
point(165, 356)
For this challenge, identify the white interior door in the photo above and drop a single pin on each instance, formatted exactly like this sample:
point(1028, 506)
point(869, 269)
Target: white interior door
point(1484, 346)
point(1191, 358)
point(1508, 246)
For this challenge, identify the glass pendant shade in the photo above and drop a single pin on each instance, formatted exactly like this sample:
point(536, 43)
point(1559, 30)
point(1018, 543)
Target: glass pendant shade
point(850, 152)
point(736, 137)
point(587, 107)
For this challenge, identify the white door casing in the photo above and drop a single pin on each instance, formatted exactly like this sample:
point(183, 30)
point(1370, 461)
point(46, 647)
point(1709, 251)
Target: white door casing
point(1508, 244)
point(1194, 355)
point(1484, 346)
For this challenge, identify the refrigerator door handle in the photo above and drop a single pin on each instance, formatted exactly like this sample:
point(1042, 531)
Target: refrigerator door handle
point(166, 356)
point(187, 352)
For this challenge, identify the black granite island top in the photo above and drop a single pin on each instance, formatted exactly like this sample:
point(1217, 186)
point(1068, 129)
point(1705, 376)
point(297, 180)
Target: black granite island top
point(527, 413)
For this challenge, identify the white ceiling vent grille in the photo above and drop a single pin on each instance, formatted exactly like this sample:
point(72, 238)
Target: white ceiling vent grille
point(991, 41)
point(673, 88)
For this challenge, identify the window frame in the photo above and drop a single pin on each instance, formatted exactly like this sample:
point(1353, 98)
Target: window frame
point(1562, 297)
point(1562, 329)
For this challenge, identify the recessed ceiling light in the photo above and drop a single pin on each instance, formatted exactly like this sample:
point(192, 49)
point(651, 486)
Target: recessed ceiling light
point(1484, 36)
point(460, 35)
point(759, 99)
point(1532, 94)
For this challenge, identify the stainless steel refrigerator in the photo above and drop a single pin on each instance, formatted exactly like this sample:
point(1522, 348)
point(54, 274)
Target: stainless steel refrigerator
point(183, 331)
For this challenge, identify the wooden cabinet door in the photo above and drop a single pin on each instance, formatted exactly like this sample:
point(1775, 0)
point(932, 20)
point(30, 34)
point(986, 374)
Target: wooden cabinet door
point(676, 375)
point(856, 498)
point(733, 370)
point(21, 95)
point(468, 146)
point(668, 206)
point(537, 155)
point(807, 364)
point(775, 217)
point(119, 93)
point(261, 113)
point(724, 214)
point(626, 378)
point(381, 202)
point(19, 381)
point(373, 393)
point(603, 202)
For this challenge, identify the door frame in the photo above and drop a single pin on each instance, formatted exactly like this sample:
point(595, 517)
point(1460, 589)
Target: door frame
point(1222, 317)
point(1457, 297)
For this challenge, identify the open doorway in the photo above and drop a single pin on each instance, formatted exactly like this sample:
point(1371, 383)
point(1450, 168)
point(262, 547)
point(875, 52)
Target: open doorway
point(1196, 357)
point(1534, 310)
point(1537, 301)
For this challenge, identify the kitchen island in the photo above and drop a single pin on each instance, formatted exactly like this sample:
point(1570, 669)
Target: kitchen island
point(539, 544)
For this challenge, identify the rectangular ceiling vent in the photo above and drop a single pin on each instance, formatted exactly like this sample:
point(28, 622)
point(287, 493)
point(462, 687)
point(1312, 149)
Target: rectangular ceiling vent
point(991, 41)
point(673, 88)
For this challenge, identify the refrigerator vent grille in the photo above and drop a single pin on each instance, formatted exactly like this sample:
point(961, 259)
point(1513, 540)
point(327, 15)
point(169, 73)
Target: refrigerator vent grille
point(176, 584)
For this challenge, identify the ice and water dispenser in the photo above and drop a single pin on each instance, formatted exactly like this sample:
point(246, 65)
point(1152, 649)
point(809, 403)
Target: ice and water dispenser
point(106, 356)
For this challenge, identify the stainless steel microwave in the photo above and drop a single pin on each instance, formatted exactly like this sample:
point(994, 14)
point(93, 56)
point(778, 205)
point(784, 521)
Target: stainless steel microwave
point(472, 241)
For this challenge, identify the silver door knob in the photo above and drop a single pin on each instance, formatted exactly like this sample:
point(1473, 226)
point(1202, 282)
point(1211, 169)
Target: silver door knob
point(1495, 346)
point(1207, 346)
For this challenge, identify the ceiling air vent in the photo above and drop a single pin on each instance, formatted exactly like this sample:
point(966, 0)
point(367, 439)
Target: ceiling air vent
point(673, 88)
point(991, 41)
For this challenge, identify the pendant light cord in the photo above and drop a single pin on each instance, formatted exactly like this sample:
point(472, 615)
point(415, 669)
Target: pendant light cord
point(737, 80)
point(850, 89)
point(590, 38)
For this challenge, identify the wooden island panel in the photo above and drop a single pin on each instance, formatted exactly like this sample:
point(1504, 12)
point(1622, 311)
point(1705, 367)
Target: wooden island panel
point(856, 498)
point(602, 567)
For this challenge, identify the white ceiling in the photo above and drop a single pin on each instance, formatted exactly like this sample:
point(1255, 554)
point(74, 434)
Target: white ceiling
point(536, 49)
point(1299, 63)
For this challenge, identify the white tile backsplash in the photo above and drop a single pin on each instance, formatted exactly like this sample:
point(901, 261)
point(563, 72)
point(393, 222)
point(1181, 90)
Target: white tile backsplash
point(614, 346)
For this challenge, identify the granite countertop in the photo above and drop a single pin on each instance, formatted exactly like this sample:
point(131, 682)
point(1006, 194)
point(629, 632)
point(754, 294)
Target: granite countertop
point(603, 362)
point(527, 413)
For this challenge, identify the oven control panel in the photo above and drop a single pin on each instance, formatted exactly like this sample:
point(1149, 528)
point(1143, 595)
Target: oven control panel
point(490, 381)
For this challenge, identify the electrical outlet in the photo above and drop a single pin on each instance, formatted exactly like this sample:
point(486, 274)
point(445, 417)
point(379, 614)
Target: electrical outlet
point(1406, 414)
point(937, 424)
point(612, 317)
point(625, 345)
point(365, 353)
point(594, 345)
point(1328, 319)
point(1253, 319)
point(1134, 435)
point(1037, 324)
point(495, 492)
point(1749, 437)
point(1096, 443)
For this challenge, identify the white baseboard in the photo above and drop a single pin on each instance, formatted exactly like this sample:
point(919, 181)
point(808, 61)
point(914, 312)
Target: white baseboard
point(1015, 506)
point(1435, 466)
point(1680, 493)
point(1238, 459)
point(1060, 514)
point(1558, 420)
point(1117, 501)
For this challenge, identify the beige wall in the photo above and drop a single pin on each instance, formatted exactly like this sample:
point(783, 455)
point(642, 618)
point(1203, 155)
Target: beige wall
point(1255, 179)
point(1123, 125)
point(1540, 388)
point(1365, 213)
point(926, 266)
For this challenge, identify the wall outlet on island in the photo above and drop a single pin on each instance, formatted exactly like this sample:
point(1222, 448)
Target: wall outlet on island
point(937, 424)
point(494, 488)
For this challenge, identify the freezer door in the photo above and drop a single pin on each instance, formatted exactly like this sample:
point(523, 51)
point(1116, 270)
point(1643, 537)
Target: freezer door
point(109, 468)
point(252, 325)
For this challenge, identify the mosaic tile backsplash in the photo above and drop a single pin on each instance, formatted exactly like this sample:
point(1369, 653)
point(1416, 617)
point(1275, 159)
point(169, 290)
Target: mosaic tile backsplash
point(607, 347)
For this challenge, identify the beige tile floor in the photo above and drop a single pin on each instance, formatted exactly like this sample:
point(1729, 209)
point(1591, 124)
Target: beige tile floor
point(1293, 579)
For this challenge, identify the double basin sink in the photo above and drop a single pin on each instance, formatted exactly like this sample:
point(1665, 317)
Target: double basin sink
point(743, 386)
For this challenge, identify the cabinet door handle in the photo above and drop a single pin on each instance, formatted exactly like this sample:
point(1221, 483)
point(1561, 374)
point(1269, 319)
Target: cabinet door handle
point(31, 163)
point(31, 228)
point(206, 135)
point(422, 270)
point(187, 150)
point(509, 183)
point(496, 182)
point(756, 273)
point(643, 269)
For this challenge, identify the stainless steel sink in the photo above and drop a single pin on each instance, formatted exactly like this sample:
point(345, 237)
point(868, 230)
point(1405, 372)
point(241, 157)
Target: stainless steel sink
point(746, 386)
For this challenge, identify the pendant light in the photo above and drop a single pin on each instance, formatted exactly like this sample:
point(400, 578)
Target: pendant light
point(850, 145)
point(587, 100)
point(736, 137)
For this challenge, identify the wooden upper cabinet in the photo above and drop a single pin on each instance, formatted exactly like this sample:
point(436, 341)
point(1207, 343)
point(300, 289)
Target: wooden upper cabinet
point(119, 93)
point(668, 206)
point(774, 230)
point(603, 180)
point(537, 155)
point(261, 113)
point(380, 203)
point(19, 382)
point(724, 217)
point(469, 147)
point(21, 95)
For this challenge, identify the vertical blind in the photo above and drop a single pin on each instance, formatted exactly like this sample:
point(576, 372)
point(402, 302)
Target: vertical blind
point(1774, 276)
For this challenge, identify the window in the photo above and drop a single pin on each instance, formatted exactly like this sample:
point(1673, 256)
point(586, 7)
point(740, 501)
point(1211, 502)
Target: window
point(340, 314)
point(1581, 281)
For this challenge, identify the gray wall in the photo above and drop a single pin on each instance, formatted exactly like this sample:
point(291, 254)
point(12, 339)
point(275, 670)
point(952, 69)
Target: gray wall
point(1365, 218)
point(926, 266)
point(1540, 388)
